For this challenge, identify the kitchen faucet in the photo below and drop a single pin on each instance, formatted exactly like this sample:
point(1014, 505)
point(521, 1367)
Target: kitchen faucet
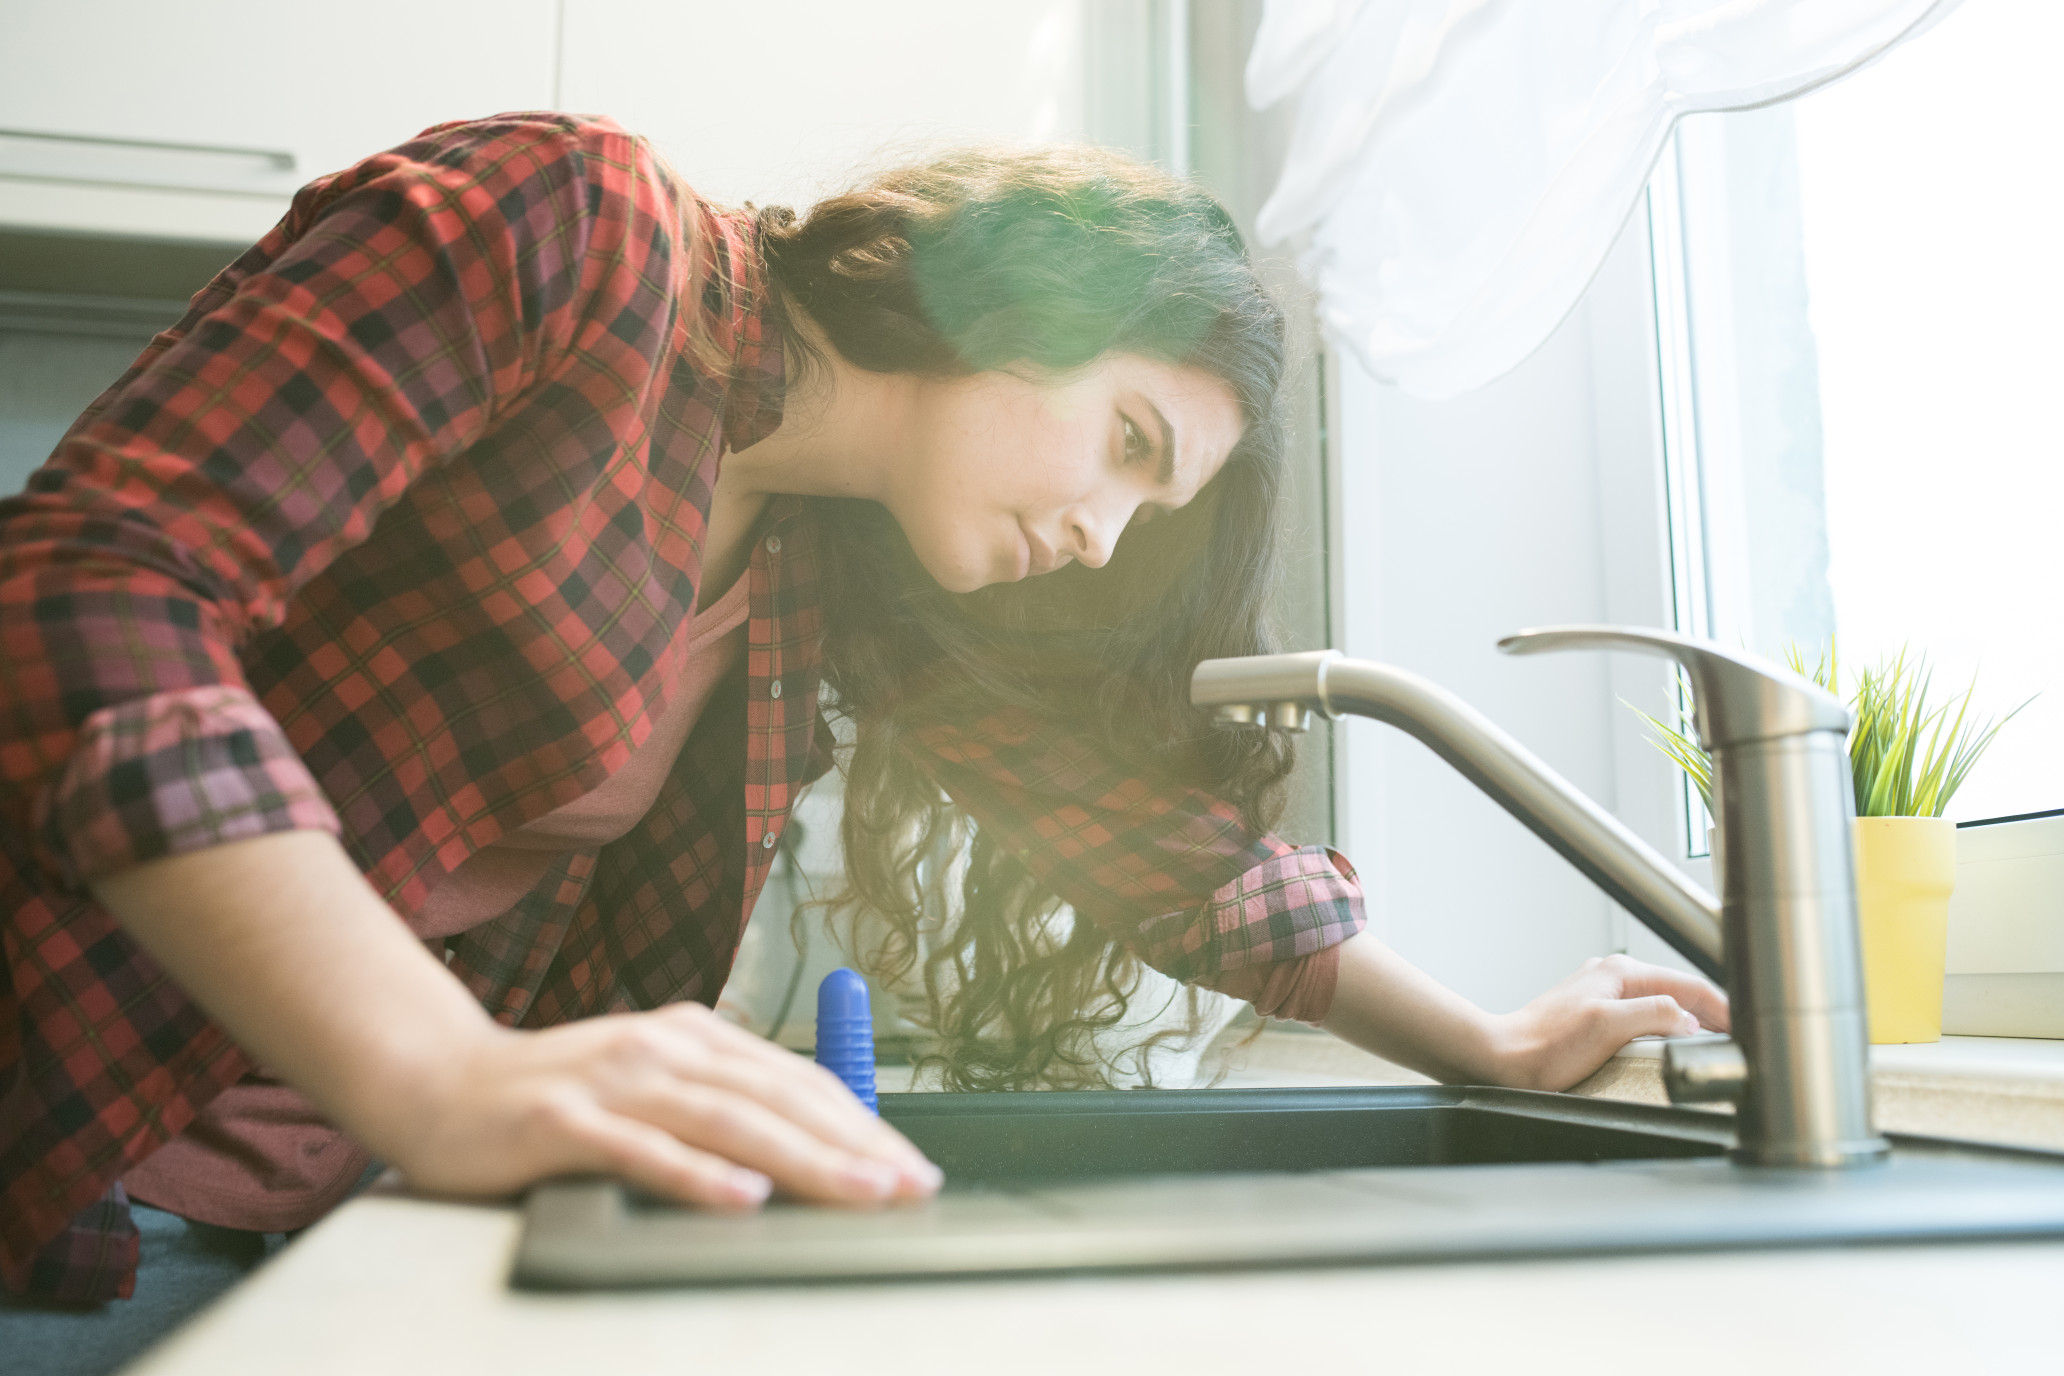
point(1784, 941)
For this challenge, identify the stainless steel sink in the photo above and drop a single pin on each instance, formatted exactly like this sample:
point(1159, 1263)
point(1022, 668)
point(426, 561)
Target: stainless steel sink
point(1171, 1180)
point(1014, 1141)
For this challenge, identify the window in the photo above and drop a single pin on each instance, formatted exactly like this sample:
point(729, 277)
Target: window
point(1857, 304)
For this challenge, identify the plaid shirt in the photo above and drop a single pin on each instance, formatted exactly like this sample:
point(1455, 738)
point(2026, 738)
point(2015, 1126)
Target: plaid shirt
point(393, 536)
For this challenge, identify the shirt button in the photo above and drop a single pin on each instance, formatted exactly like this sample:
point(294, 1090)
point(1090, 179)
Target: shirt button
point(775, 691)
point(773, 544)
point(767, 841)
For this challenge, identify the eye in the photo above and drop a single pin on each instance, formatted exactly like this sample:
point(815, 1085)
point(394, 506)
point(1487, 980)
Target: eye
point(1138, 448)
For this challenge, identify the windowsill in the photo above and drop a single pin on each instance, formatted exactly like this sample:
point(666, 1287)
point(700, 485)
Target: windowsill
point(2037, 1060)
point(2003, 1090)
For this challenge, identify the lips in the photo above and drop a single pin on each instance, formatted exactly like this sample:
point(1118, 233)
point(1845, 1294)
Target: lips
point(1039, 557)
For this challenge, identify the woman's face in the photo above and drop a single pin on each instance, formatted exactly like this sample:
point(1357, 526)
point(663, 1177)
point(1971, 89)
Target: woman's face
point(1008, 477)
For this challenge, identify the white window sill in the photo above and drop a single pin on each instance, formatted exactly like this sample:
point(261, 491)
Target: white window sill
point(2005, 1090)
point(2036, 1060)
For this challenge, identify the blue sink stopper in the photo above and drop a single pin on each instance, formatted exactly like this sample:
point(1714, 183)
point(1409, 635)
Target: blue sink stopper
point(845, 1033)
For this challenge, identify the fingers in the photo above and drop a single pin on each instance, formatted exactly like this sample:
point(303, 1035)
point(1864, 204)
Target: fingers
point(799, 1090)
point(1655, 1015)
point(656, 1160)
point(725, 1091)
point(1637, 979)
point(740, 1130)
point(717, 1053)
point(813, 1098)
point(673, 1105)
point(1567, 1033)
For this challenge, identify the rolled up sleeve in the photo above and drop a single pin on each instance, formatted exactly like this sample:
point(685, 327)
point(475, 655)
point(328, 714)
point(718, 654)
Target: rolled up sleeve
point(1291, 905)
point(175, 772)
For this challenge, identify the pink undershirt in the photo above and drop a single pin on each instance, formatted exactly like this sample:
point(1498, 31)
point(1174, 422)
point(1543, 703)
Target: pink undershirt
point(260, 1157)
point(495, 877)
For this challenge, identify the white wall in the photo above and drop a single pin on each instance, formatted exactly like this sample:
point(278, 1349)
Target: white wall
point(782, 103)
point(1534, 501)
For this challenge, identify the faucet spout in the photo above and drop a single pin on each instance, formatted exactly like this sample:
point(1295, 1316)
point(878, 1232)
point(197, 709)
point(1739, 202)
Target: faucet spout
point(1581, 831)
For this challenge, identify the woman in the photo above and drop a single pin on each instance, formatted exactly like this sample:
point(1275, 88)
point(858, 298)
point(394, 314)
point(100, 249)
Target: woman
point(472, 554)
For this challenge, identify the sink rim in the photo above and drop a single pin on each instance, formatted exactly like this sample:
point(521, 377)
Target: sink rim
point(588, 1233)
point(1707, 1126)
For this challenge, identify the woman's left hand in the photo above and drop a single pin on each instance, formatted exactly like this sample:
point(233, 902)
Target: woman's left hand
point(1385, 1004)
point(1560, 1038)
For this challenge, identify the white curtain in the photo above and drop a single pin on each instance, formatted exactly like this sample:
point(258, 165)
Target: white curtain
point(1464, 165)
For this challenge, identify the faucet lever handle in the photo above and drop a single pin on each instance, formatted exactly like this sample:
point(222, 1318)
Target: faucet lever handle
point(1736, 696)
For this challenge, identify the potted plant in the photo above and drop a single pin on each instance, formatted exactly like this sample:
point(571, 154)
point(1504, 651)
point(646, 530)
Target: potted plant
point(1907, 760)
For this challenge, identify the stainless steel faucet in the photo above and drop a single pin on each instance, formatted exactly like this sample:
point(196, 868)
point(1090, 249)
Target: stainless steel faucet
point(1784, 942)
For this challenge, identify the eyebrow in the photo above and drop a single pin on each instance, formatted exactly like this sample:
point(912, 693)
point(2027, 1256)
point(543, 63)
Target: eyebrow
point(1167, 474)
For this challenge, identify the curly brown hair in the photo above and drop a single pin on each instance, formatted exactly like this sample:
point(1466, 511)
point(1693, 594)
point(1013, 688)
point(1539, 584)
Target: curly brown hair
point(985, 259)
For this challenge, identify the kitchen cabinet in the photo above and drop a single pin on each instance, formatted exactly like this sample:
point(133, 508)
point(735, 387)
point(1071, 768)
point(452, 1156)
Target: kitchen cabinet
point(106, 103)
point(199, 120)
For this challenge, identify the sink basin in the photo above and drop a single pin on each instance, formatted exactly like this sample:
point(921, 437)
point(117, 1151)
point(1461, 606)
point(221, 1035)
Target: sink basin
point(1007, 1140)
point(1186, 1179)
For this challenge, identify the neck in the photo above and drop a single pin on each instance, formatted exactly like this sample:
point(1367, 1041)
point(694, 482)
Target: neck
point(840, 428)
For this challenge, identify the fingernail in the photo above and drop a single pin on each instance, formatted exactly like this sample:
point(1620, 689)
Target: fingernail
point(871, 1178)
point(924, 1176)
point(750, 1186)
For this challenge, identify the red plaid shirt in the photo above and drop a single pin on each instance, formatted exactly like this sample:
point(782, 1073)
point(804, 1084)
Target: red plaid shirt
point(393, 535)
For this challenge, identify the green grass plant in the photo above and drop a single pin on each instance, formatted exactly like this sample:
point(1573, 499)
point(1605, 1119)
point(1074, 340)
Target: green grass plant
point(1681, 743)
point(1907, 759)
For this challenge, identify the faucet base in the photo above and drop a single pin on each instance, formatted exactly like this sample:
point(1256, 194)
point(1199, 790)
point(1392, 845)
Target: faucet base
point(1869, 1151)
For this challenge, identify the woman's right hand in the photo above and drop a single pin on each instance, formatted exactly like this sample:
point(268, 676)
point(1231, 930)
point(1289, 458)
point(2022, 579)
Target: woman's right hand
point(283, 942)
point(677, 1101)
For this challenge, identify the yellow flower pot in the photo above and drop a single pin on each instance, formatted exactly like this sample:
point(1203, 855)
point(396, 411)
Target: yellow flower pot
point(1905, 871)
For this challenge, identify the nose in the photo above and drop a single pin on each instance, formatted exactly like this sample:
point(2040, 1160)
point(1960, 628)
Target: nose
point(1092, 534)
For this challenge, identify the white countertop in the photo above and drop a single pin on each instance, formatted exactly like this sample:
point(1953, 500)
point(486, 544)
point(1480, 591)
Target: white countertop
point(394, 1285)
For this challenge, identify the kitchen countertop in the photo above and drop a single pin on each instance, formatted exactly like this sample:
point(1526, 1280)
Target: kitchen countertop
point(398, 1285)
